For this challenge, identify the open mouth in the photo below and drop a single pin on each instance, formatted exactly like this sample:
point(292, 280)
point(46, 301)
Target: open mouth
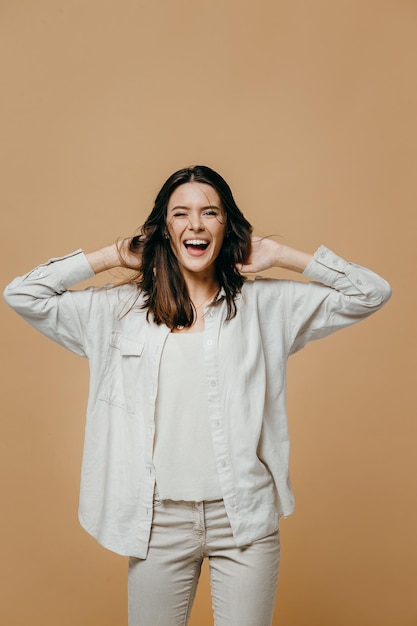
point(196, 246)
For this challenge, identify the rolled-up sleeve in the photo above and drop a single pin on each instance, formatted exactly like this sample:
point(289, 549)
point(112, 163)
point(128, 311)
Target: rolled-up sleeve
point(340, 294)
point(43, 299)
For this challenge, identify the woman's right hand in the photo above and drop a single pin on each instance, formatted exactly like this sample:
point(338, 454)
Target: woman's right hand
point(123, 253)
point(130, 252)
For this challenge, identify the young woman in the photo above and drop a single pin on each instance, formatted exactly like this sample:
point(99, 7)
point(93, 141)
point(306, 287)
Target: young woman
point(186, 449)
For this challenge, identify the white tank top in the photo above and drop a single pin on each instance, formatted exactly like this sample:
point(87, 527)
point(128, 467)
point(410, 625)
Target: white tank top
point(185, 465)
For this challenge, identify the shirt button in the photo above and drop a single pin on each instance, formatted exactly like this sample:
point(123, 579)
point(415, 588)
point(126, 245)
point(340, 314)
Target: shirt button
point(322, 254)
point(218, 423)
point(224, 464)
point(209, 342)
point(213, 383)
point(359, 282)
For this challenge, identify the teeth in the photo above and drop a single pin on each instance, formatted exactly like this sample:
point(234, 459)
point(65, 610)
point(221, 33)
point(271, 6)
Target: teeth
point(195, 242)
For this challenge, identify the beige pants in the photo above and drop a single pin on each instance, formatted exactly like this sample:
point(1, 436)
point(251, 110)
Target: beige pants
point(162, 586)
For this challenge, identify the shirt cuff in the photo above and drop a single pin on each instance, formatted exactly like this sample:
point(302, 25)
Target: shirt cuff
point(326, 267)
point(64, 272)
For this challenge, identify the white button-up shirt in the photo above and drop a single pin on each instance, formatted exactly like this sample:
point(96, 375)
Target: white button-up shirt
point(245, 362)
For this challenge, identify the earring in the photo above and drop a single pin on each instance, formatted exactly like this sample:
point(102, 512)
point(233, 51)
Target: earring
point(166, 235)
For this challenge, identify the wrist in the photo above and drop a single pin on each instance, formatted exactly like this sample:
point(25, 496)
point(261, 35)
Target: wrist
point(104, 259)
point(279, 254)
point(291, 259)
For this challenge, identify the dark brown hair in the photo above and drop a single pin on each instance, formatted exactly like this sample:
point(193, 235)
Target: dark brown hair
point(160, 278)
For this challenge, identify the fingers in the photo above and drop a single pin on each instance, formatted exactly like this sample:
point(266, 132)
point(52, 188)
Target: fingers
point(136, 243)
point(129, 251)
point(244, 269)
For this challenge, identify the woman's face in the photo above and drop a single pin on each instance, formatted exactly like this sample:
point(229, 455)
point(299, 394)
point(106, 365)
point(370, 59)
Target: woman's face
point(196, 225)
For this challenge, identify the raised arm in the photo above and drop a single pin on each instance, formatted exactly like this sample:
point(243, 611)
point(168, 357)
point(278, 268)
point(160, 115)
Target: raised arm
point(116, 255)
point(339, 293)
point(266, 253)
point(44, 299)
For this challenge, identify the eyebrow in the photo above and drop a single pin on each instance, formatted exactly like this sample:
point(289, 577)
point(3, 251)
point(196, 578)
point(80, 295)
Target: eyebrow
point(203, 208)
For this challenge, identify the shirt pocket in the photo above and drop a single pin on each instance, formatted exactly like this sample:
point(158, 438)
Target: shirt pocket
point(121, 376)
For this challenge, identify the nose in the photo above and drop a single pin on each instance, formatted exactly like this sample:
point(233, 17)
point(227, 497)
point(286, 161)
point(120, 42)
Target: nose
point(195, 221)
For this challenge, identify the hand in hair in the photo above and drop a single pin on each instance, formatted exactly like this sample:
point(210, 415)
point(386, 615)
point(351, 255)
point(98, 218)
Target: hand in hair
point(130, 252)
point(123, 253)
point(266, 253)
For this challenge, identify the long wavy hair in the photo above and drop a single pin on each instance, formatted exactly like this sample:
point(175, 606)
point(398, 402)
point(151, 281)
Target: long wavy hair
point(160, 278)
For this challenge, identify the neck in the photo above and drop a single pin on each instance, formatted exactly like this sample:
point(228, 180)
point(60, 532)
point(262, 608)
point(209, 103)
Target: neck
point(201, 291)
point(201, 288)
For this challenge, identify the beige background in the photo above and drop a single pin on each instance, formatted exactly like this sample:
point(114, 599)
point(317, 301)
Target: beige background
point(308, 108)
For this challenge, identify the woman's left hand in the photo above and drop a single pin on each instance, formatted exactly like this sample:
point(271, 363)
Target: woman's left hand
point(266, 253)
point(263, 255)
